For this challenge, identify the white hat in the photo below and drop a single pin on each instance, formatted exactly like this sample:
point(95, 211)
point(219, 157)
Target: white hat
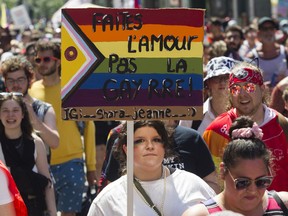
point(283, 25)
point(219, 66)
point(6, 55)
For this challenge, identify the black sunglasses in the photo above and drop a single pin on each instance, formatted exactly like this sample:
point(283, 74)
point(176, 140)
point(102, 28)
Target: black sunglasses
point(243, 183)
point(45, 59)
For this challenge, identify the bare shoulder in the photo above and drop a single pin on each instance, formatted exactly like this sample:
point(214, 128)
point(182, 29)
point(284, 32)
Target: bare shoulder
point(283, 84)
point(284, 197)
point(196, 210)
point(37, 140)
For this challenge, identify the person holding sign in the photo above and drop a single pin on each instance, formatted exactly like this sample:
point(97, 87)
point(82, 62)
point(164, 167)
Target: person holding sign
point(158, 190)
point(191, 154)
point(246, 171)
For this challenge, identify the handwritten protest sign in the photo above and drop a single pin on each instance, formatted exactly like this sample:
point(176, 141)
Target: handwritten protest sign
point(132, 64)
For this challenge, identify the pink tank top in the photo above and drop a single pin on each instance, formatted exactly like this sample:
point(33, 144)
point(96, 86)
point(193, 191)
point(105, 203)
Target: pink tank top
point(272, 209)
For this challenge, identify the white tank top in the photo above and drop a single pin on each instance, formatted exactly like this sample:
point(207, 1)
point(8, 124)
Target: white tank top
point(273, 67)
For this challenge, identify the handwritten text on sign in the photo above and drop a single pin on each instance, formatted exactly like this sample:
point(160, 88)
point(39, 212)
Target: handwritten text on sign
point(131, 64)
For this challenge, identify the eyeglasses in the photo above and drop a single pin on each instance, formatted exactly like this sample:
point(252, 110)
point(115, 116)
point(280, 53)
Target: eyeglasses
point(45, 59)
point(10, 94)
point(19, 81)
point(243, 183)
point(248, 87)
point(153, 141)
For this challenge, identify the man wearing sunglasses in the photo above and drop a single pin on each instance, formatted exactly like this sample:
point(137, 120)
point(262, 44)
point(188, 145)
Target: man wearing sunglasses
point(67, 163)
point(18, 75)
point(247, 97)
point(272, 56)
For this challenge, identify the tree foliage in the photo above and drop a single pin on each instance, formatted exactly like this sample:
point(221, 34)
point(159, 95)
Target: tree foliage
point(38, 9)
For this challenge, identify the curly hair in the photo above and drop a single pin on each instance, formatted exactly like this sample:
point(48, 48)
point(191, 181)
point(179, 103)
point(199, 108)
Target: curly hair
point(15, 63)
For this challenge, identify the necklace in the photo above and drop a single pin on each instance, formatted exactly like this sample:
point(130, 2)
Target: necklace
point(141, 192)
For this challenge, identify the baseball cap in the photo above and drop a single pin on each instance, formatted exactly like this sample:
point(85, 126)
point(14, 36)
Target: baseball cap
point(216, 21)
point(283, 25)
point(219, 66)
point(263, 20)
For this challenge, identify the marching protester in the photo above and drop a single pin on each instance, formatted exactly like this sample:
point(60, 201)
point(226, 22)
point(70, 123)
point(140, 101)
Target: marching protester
point(248, 97)
point(247, 173)
point(24, 154)
point(67, 161)
point(18, 76)
point(216, 84)
point(157, 188)
point(191, 154)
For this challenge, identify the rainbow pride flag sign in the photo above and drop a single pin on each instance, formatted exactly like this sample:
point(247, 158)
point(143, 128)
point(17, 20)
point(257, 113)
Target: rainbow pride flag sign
point(132, 64)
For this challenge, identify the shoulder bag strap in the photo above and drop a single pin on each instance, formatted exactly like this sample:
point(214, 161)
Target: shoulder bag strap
point(280, 202)
point(146, 197)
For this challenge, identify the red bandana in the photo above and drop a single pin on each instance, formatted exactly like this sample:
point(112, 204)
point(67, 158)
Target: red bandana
point(246, 75)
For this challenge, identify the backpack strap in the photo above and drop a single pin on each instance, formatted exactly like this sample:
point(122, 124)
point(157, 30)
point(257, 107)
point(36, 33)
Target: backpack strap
point(255, 53)
point(81, 126)
point(283, 123)
point(40, 108)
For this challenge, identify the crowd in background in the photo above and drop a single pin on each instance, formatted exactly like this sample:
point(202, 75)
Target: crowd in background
point(245, 74)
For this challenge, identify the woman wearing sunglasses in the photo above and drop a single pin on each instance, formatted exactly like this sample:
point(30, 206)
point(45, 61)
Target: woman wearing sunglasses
point(24, 154)
point(246, 171)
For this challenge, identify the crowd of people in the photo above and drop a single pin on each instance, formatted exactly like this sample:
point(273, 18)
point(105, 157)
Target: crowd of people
point(235, 159)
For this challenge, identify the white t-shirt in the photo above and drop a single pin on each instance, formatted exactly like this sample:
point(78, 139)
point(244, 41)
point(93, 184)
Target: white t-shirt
point(183, 189)
point(5, 195)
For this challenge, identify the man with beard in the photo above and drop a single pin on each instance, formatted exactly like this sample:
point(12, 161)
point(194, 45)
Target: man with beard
point(233, 39)
point(247, 97)
point(18, 74)
point(67, 163)
point(271, 55)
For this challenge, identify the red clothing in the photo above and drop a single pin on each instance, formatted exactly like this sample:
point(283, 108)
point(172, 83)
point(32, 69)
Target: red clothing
point(217, 137)
point(19, 204)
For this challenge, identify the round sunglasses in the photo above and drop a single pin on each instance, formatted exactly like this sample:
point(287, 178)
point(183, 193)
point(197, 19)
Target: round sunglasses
point(248, 87)
point(45, 59)
point(243, 183)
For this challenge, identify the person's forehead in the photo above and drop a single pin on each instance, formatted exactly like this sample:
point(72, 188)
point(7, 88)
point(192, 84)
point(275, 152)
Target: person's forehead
point(10, 103)
point(45, 52)
point(241, 83)
point(233, 33)
point(17, 73)
point(267, 24)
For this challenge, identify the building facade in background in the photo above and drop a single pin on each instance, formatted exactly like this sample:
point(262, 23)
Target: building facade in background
point(243, 11)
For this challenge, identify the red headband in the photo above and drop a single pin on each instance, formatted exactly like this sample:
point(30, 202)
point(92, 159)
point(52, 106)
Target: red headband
point(246, 75)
